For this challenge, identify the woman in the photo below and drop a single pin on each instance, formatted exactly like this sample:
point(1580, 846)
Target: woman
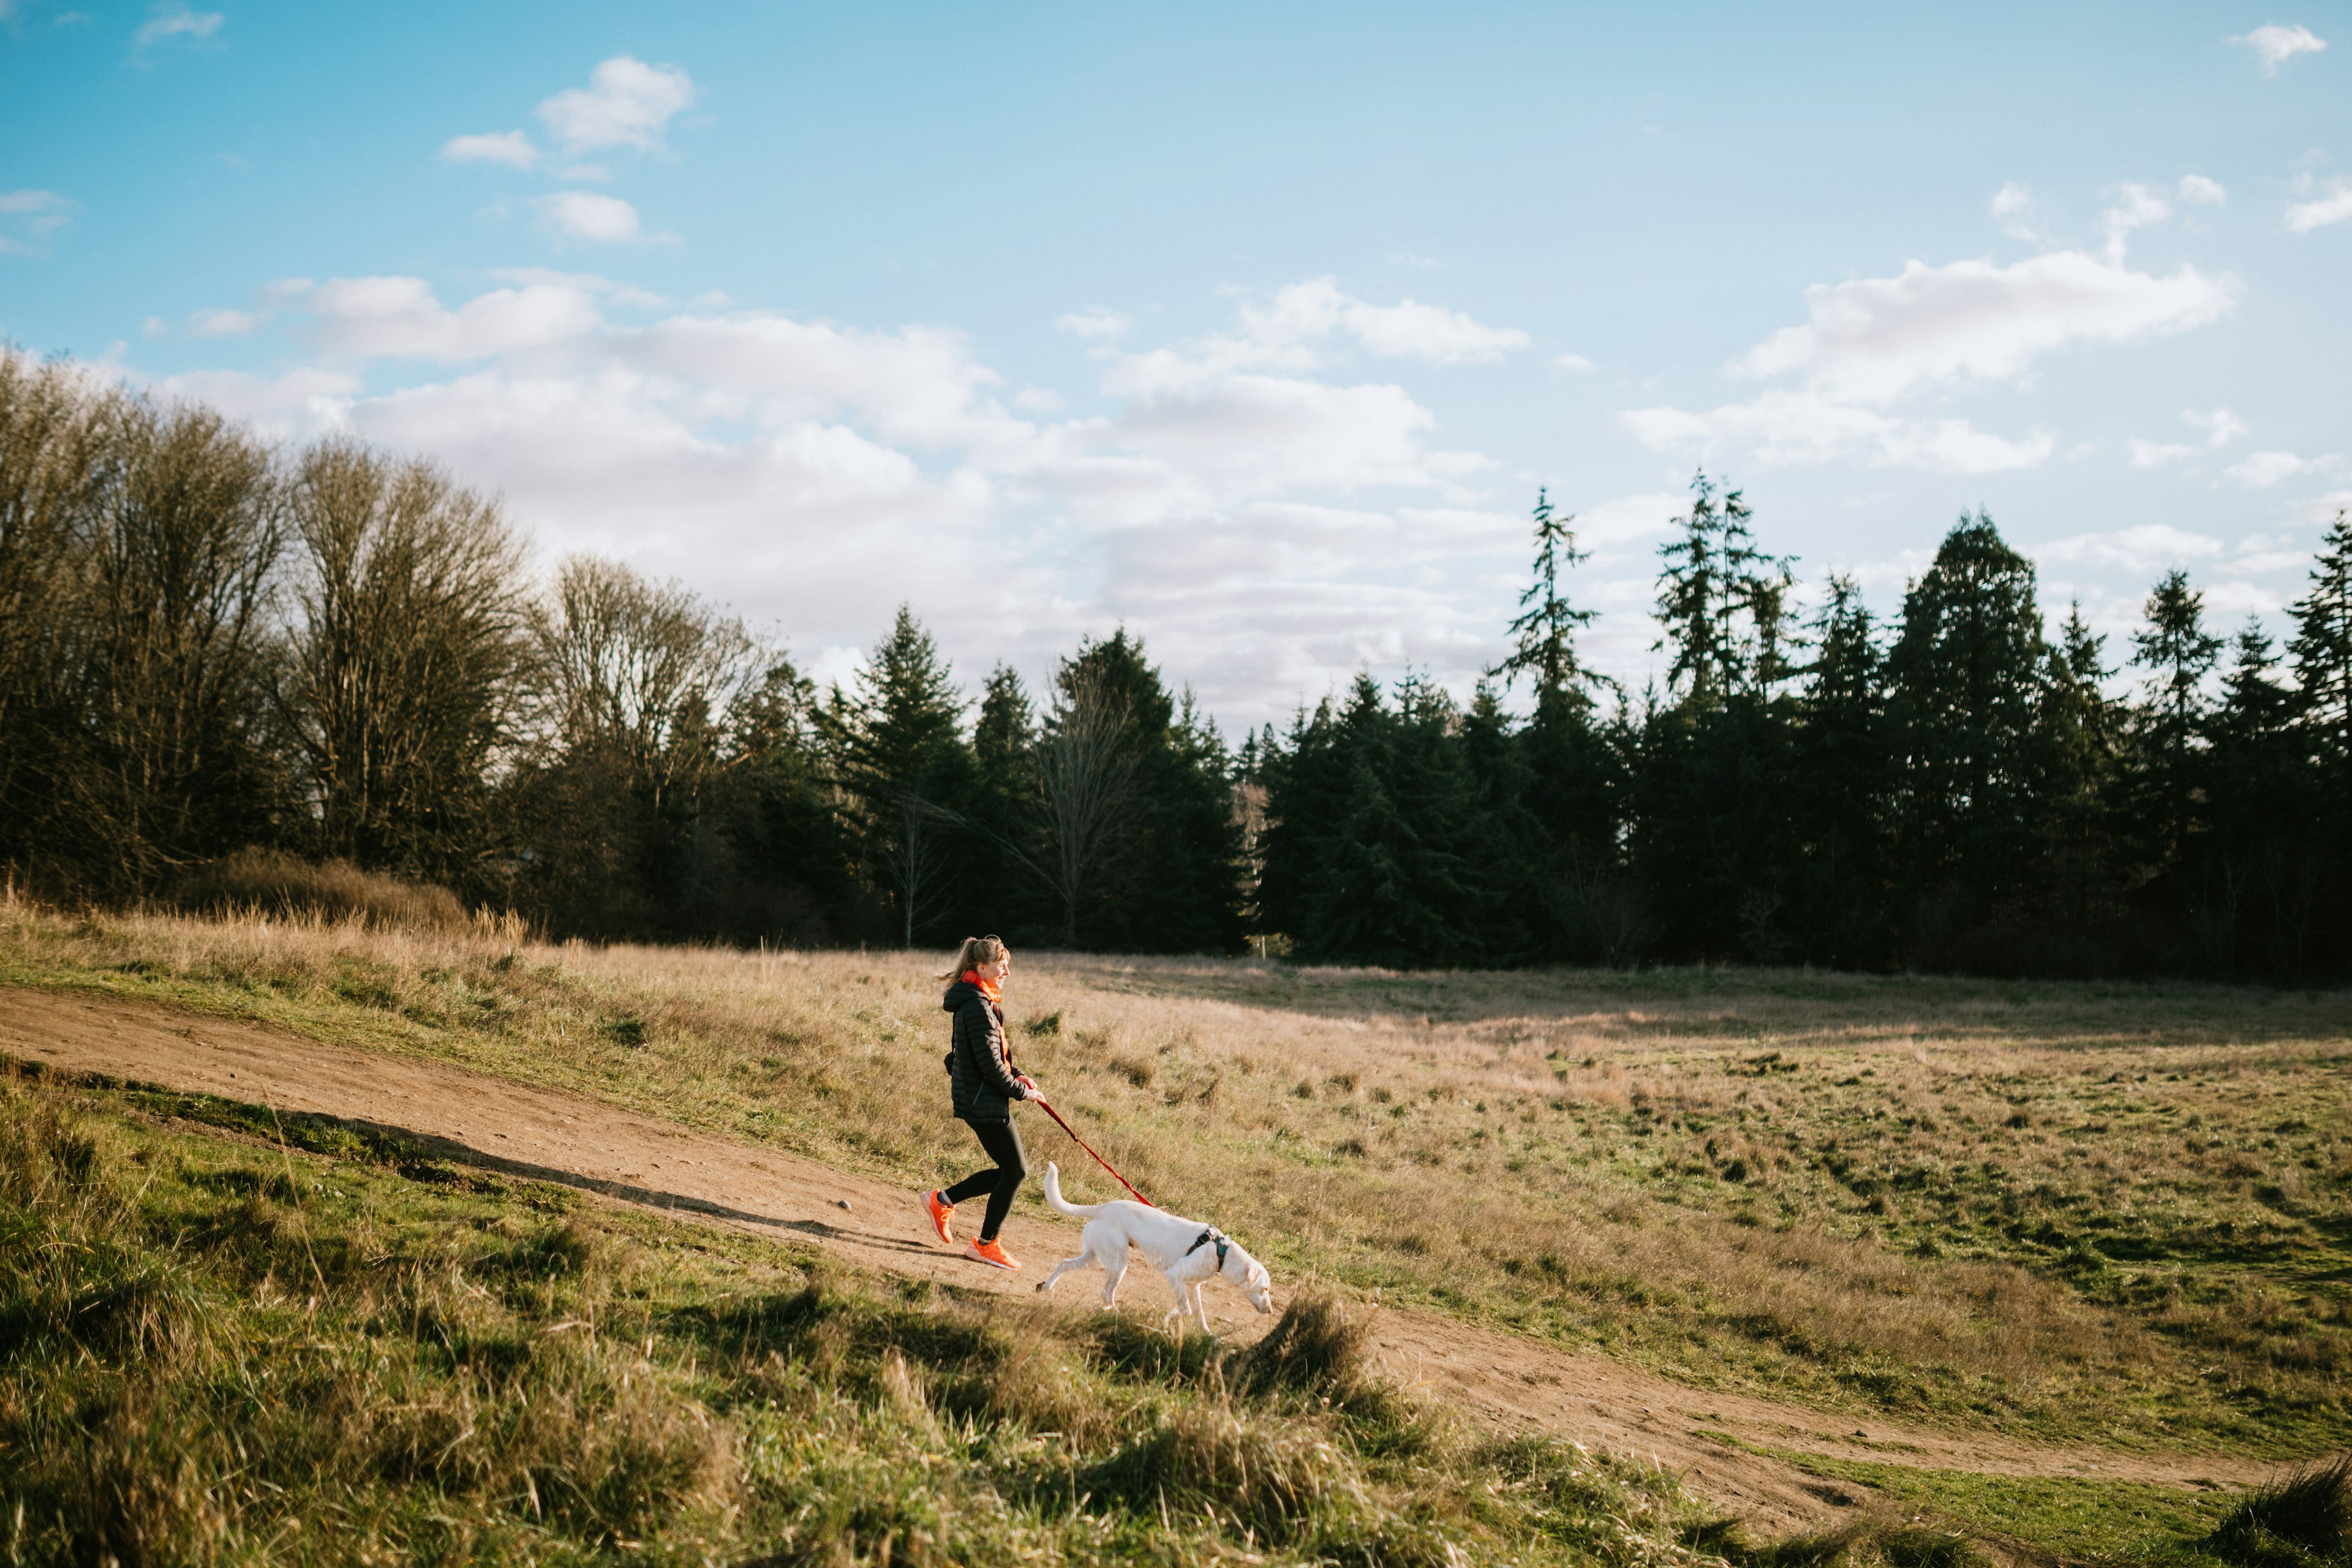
point(986, 1083)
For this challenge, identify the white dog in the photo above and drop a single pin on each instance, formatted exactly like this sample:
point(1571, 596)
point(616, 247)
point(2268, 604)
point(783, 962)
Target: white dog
point(1188, 1252)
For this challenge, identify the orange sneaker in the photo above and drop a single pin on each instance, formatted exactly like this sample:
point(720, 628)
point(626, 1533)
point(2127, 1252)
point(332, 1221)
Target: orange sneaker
point(942, 1214)
point(991, 1253)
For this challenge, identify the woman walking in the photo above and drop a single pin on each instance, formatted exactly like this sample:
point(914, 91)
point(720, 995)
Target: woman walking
point(986, 1082)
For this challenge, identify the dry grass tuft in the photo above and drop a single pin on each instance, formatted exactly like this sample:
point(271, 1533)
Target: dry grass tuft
point(271, 882)
point(1315, 1347)
point(1259, 1474)
point(2307, 1517)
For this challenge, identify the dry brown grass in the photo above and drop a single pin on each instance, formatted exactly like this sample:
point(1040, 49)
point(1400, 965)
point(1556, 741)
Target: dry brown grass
point(2106, 1211)
point(269, 882)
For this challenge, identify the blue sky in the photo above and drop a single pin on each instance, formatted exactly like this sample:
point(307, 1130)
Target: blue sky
point(1252, 329)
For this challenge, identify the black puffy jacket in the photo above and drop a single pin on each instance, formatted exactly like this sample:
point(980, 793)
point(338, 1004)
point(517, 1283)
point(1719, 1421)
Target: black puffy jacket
point(979, 1064)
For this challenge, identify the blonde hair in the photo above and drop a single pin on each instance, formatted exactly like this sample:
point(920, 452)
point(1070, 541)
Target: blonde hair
point(975, 952)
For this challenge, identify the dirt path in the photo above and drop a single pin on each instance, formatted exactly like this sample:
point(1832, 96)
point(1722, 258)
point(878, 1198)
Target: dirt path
point(1505, 1381)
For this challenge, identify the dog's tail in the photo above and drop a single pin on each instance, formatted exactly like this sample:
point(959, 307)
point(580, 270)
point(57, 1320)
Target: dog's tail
point(1059, 1204)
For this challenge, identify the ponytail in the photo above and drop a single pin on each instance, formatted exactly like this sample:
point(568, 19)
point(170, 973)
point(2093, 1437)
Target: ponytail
point(975, 952)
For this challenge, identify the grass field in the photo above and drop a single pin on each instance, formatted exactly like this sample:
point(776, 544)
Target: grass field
point(215, 1351)
point(2109, 1213)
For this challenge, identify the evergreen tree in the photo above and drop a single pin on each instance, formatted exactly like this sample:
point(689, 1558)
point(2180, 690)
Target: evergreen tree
point(2265, 875)
point(2178, 653)
point(1840, 786)
point(1384, 855)
point(1712, 837)
point(1554, 801)
point(2079, 773)
point(793, 882)
point(1714, 578)
point(900, 756)
point(1520, 870)
point(2322, 651)
point(1543, 635)
point(1006, 886)
point(2322, 648)
point(1145, 847)
point(1966, 675)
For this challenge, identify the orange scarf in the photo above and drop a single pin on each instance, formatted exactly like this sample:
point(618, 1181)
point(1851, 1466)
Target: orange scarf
point(986, 987)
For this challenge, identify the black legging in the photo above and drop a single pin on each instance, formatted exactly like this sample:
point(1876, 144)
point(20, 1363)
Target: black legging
point(1002, 1140)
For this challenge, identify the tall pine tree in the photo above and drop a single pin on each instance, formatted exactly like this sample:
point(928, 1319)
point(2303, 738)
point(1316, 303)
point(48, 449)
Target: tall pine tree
point(1967, 682)
point(901, 758)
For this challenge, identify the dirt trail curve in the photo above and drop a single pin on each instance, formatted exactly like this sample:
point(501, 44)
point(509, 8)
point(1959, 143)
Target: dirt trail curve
point(1508, 1382)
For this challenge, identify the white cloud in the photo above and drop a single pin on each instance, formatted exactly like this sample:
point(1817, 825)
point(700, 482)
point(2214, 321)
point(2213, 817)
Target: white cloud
point(399, 317)
point(2320, 212)
point(1577, 362)
point(2269, 552)
point(304, 401)
point(28, 218)
point(2156, 453)
point(1270, 529)
point(2148, 547)
point(1097, 326)
point(1783, 427)
point(1293, 334)
point(1304, 312)
point(593, 215)
point(225, 323)
point(626, 104)
point(2013, 209)
point(2220, 425)
point(2202, 192)
point(2137, 206)
point(2274, 45)
point(1877, 339)
point(177, 22)
point(511, 148)
point(1628, 520)
point(2261, 470)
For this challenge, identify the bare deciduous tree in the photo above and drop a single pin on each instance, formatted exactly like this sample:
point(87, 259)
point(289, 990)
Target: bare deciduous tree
point(58, 462)
point(647, 670)
point(1088, 770)
point(397, 689)
point(175, 636)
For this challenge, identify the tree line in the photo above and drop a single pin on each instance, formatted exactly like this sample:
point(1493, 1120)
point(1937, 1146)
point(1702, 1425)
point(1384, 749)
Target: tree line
point(1950, 790)
point(208, 644)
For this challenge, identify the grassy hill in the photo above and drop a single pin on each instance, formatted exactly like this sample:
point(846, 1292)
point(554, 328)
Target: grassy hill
point(2099, 1213)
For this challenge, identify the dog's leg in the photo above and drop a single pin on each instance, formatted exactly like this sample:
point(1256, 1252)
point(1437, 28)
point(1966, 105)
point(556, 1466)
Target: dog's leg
point(1183, 1294)
point(1063, 1267)
point(1114, 1267)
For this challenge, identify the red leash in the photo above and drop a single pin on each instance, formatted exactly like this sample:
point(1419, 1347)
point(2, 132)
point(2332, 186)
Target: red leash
point(1082, 1143)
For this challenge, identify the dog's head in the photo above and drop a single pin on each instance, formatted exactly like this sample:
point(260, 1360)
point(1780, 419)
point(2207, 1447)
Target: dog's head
point(1251, 1276)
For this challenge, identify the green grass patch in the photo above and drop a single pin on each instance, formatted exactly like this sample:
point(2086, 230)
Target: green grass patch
point(214, 1349)
point(2082, 1517)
